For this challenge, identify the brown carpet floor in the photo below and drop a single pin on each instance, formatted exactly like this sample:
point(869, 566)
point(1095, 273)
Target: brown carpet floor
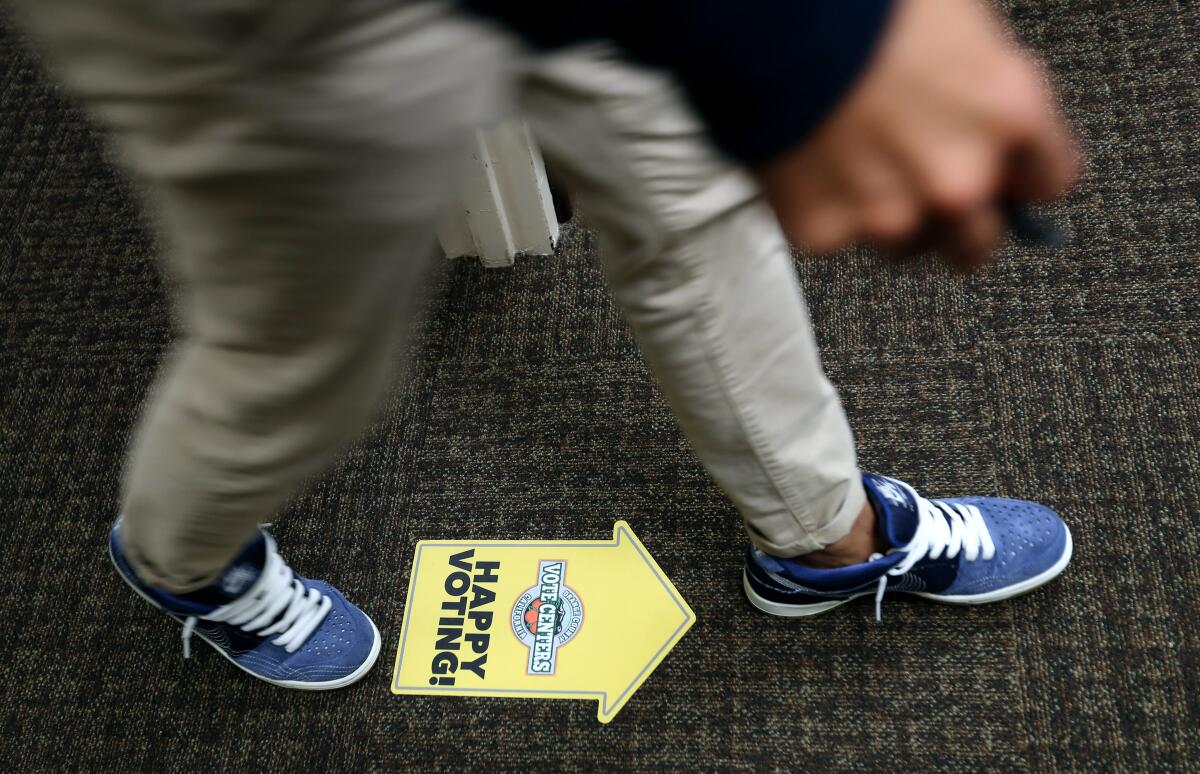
point(1070, 378)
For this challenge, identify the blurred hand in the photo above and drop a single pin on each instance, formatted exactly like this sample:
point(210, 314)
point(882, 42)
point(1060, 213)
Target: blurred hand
point(950, 118)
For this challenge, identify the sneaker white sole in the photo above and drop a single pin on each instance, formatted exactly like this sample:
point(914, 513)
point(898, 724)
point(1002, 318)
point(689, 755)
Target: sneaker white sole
point(300, 685)
point(784, 610)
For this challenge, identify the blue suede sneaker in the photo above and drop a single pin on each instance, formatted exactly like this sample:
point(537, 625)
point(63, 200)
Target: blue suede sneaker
point(269, 621)
point(963, 551)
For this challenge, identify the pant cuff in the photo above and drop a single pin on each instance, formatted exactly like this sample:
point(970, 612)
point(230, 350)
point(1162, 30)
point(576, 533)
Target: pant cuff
point(830, 532)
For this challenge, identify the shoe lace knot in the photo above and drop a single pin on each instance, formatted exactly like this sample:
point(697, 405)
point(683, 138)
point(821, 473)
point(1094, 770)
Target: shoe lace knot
point(943, 529)
point(278, 603)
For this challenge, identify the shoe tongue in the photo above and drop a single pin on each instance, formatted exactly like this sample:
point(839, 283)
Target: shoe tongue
point(237, 577)
point(895, 509)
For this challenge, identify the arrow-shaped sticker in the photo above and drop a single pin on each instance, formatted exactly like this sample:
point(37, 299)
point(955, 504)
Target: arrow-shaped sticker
point(563, 619)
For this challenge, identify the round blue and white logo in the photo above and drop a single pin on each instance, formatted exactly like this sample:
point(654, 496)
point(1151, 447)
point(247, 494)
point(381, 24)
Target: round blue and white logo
point(547, 616)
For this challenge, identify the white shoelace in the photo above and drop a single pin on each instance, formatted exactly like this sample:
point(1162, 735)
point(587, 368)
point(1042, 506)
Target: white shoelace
point(276, 594)
point(942, 528)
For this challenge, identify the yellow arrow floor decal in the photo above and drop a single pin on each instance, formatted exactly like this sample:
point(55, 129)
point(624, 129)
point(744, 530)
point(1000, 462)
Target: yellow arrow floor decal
point(564, 619)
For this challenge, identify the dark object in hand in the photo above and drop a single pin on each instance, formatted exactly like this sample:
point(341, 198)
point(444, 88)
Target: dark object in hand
point(1034, 229)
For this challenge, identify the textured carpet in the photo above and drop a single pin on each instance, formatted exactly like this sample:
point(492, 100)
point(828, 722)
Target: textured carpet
point(1069, 378)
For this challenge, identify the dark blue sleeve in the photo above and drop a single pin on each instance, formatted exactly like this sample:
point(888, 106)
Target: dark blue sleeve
point(762, 73)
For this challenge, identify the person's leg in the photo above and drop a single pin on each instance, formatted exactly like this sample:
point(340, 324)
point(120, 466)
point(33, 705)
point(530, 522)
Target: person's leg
point(700, 267)
point(705, 277)
point(297, 155)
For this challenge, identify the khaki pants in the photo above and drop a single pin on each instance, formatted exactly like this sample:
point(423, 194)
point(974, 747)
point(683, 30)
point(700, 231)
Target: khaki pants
point(298, 153)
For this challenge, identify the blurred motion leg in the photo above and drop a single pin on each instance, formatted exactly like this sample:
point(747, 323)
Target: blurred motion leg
point(297, 155)
point(703, 273)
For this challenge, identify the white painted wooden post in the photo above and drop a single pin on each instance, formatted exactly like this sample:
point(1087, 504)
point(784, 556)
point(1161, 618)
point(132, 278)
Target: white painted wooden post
point(504, 205)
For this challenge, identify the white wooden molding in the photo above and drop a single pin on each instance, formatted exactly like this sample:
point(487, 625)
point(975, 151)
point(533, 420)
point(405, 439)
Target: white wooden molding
point(503, 205)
